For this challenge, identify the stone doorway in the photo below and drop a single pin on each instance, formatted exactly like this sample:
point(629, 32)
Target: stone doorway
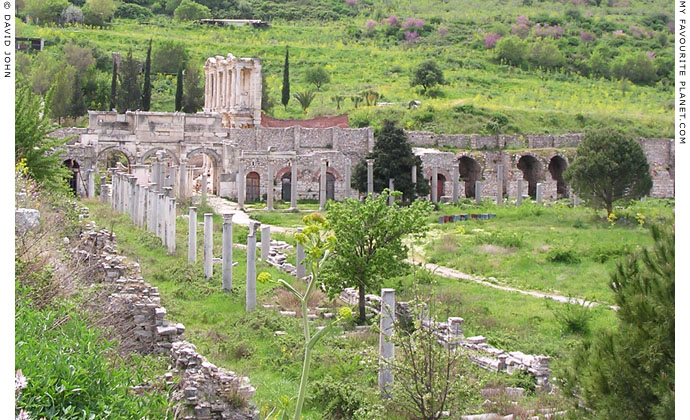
point(286, 187)
point(470, 172)
point(558, 165)
point(73, 181)
point(253, 186)
point(531, 171)
point(330, 186)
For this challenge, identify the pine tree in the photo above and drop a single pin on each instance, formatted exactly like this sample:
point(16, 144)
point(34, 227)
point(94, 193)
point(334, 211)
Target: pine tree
point(77, 104)
point(113, 88)
point(179, 92)
point(129, 93)
point(60, 94)
point(393, 158)
point(286, 80)
point(146, 96)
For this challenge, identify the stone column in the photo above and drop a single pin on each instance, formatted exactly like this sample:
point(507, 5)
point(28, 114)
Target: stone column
point(576, 200)
point(456, 182)
point(227, 252)
point(122, 194)
point(160, 214)
point(143, 207)
point(191, 238)
point(137, 207)
point(348, 177)
point(91, 183)
point(386, 348)
point(478, 192)
point(240, 185)
point(251, 267)
point(172, 224)
point(204, 187)
point(434, 185)
point(104, 193)
point(322, 185)
point(173, 181)
point(207, 85)
point(269, 187)
point(151, 206)
point(293, 184)
point(391, 187)
point(414, 175)
point(208, 245)
point(540, 193)
point(132, 198)
point(370, 176)
point(182, 180)
point(300, 267)
point(519, 191)
point(499, 185)
point(265, 242)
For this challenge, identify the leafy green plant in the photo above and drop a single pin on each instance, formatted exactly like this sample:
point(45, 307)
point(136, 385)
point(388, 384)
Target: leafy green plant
point(573, 317)
point(305, 98)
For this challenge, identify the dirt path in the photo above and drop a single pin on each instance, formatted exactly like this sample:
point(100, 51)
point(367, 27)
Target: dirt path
point(454, 274)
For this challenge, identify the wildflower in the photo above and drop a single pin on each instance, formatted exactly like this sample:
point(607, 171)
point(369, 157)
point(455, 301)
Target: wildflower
point(23, 415)
point(345, 313)
point(411, 36)
point(612, 218)
point(19, 380)
point(263, 277)
point(370, 24)
point(490, 40)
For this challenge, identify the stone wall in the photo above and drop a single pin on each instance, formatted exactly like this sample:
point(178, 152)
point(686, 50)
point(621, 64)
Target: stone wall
point(204, 391)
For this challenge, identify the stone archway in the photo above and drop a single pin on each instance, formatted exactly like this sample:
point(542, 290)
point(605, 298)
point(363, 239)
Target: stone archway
point(531, 171)
point(73, 181)
point(152, 152)
point(558, 165)
point(110, 156)
point(253, 192)
point(198, 167)
point(470, 172)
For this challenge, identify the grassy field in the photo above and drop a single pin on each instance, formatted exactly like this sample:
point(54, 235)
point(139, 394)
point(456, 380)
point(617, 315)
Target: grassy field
point(570, 251)
point(524, 100)
point(217, 323)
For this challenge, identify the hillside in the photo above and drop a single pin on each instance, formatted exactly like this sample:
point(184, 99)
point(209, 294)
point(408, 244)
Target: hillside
point(509, 67)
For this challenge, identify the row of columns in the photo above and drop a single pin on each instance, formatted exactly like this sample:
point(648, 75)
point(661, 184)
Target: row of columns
point(146, 205)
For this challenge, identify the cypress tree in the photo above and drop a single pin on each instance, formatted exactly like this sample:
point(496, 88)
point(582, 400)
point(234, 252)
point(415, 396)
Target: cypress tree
point(113, 87)
point(286, 81)
point(129, 93)
point(77, 104)
point(146, 96)
point(179, 92)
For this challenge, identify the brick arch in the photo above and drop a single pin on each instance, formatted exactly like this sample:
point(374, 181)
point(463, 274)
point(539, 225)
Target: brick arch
point(441, 172)
point(329, 170)
point(153, 151)
point(284, 170)
point(130, 157)
point(470, 171)
point(217, 159)
point(557, 164)
point(532, 167)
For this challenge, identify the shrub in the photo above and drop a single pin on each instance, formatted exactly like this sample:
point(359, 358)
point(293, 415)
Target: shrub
point(563, 256)
point(637, 67)
point(132, 11)
point(168, 56)
point(98, 12)
point(72, 14)
point(188, 10)
point(343, 399)
point(490, 40)
point(546, 54)
point(427, 74)
point(511, 50)
point(573, 318)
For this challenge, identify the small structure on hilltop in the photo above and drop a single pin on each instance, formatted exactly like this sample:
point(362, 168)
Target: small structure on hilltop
point(257, 23)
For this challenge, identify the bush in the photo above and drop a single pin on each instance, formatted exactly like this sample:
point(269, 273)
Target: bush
point(188, 10)
point(511, 50)
point(637, 67)
point(564, 256)
point(546, 54)
point(98, 12)
point(72, 14)
point(132, 11)
point(44, 11)
point(168, 57)
point(574, 318)
point(343, 399)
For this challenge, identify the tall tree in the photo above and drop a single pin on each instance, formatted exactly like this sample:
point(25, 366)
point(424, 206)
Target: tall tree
point(369, 245)
point(318, 76)
point(146, 96)
point(32, 141)
point(393, 158)
point(60, 94)
point(286, 80)
point(193, 98)
point(77, 103)
point(266, 101)
point(427, 74)
point(609, 167)
point(179, 93)
point(113, 87)
point(129, 92)
point(628, 373)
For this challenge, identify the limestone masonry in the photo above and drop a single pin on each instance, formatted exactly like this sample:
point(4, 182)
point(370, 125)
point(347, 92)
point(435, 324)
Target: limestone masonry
point(246, 161)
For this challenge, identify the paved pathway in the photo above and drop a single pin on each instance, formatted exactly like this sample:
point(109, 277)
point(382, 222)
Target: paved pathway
point(222, 205)
point(454, 274)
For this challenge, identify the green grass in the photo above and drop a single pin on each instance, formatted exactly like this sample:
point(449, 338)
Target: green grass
point(217, 323)
point(569, 251)
point(533, 101)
